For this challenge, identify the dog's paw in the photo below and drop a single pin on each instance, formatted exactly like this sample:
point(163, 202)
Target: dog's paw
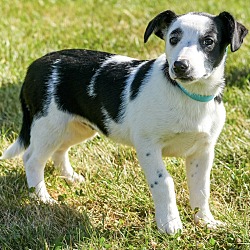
point(208, 221)
point(215, 224)
point(171, 227)
point(74, 178)
point(43, 197)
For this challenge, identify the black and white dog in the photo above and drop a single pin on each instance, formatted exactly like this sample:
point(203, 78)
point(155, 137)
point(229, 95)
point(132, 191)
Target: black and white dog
point(169, 106)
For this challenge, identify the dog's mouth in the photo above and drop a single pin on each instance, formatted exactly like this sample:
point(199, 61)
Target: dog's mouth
point(184, 78)
point(187, 78)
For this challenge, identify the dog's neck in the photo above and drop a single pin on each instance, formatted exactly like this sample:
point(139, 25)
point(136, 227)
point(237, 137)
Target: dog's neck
point(207, 89)
point(204, 90)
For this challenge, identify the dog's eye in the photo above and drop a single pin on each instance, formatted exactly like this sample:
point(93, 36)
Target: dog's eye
point(208, 42)
point(173, 40)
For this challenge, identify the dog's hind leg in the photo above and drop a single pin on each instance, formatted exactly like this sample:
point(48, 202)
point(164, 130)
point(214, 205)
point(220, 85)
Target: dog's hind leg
point(76, 132)
point(45, 138)
point(34, 163)
point(61, 161)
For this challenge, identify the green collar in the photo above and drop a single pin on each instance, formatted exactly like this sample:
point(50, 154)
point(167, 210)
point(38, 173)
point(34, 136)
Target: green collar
point(196, 97)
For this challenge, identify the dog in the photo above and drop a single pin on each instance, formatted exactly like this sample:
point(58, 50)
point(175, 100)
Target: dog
point(168, 106)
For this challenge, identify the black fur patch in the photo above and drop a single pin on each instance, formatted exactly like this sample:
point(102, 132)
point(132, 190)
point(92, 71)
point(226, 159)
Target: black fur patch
point(139, 78)
point(76, 70)
point(109, 85)
point(33, 95)
point(34, 90)
point(165, 70)
point(218, 98)
point(216, 30)
point(74, 73)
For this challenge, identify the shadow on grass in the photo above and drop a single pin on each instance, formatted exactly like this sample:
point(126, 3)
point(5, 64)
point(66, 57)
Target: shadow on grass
point(28, 224)
point(238, 77)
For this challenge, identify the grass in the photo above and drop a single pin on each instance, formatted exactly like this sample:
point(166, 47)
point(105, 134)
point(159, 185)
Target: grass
point(113, 208)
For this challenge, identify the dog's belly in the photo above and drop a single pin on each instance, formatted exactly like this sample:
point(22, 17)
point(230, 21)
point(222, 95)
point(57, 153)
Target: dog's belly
point(184, 144)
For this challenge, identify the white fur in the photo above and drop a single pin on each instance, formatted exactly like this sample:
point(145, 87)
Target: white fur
point(13, 150)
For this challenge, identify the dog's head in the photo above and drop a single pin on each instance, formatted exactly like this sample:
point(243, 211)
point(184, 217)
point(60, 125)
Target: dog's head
point(196, 43)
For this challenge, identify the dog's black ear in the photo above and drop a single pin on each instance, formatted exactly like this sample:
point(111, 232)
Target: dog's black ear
point(159, 24)
point(236, 30)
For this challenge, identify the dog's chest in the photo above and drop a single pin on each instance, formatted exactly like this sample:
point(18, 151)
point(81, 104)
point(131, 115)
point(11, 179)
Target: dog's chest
point(184, 144)
point(180, 131)
point(185, 134)
point(184, 131)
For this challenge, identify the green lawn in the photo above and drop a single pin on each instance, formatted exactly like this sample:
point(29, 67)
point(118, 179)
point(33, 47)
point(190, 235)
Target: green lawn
point(113, 208)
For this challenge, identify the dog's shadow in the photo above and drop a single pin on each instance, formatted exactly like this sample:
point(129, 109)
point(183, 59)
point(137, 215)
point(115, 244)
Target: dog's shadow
point(24, 220)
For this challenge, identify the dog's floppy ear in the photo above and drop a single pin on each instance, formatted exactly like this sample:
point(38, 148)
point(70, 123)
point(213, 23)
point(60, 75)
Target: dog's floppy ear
point(236, 30)
point(159, 24)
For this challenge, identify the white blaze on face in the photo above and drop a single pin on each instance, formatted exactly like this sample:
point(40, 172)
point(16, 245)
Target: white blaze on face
point(191, 28)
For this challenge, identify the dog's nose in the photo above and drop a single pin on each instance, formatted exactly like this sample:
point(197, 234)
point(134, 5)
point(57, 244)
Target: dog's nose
point(181, 67)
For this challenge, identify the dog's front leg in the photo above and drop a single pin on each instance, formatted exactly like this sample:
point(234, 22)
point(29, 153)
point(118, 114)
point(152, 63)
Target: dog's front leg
point(162, 188)
point(198, 168)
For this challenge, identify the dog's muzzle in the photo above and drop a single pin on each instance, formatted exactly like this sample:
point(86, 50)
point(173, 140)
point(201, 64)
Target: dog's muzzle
point(181, 69)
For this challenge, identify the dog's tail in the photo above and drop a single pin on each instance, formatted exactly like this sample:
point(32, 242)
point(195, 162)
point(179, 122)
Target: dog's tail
point(23, 139)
